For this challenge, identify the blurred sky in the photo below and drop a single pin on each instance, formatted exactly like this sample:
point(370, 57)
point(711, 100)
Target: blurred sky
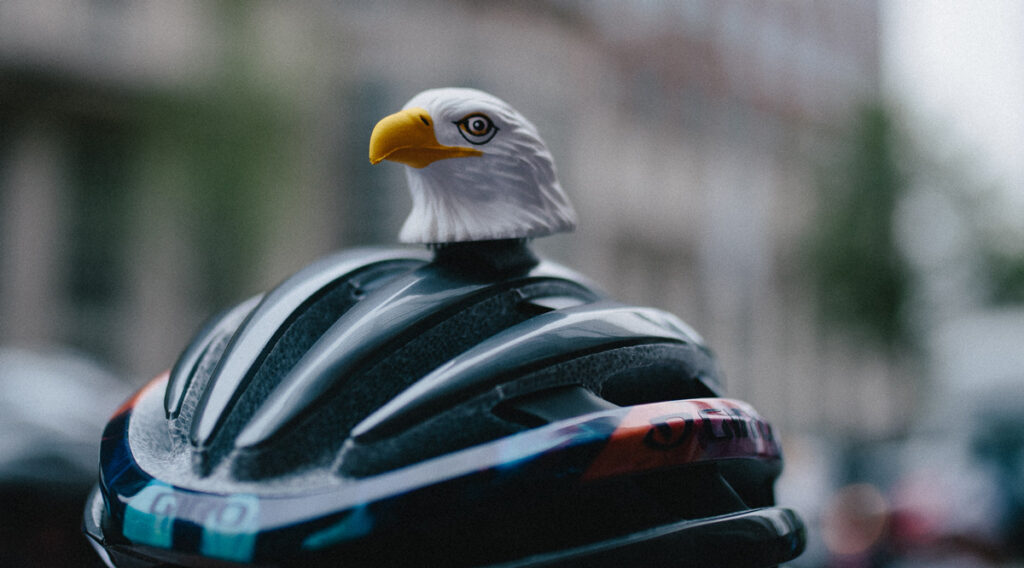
point(957, 69)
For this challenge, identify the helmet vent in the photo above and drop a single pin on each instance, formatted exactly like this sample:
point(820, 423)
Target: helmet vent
point(200, 356)
point(545, 304)
point(405, 358)
point(550, 405)
point(533, 396)
point(298, 331)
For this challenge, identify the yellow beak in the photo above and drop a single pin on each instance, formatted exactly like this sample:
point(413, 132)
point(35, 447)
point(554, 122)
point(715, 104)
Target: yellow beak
point(407, 137)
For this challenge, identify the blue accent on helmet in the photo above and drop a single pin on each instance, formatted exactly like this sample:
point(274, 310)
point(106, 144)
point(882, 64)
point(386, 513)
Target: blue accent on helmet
point(149, 515)
point(357, 523)
point(230, 529)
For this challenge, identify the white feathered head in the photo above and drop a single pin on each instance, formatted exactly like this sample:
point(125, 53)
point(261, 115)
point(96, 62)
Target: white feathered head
point(477, 171)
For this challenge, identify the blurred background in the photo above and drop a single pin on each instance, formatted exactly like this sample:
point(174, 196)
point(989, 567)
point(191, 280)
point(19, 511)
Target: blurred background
point(831, 192)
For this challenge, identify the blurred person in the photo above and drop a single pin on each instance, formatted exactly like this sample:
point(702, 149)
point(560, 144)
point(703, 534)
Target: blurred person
point(854, 526)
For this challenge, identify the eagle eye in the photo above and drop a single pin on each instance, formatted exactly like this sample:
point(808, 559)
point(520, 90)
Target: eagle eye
point(477, 128)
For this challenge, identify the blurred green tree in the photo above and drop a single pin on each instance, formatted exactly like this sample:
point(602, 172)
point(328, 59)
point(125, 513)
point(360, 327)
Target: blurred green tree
point(860, 277)
point(232, 133)
point(1005, 275)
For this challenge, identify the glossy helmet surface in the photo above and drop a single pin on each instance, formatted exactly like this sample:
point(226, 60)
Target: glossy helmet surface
point(377, 408)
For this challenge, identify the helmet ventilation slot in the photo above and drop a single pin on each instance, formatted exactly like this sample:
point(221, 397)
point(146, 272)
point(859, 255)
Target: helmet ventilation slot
point(550, 405)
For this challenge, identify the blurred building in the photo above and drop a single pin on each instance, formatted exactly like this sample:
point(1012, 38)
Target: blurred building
point(728, 109)
point(160, 160)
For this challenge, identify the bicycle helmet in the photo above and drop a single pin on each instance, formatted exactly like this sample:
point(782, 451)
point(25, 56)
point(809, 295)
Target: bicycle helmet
point(378, 407)
point(481, 408)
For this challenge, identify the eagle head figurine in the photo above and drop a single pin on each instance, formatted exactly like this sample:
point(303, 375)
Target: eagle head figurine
point(478, 172)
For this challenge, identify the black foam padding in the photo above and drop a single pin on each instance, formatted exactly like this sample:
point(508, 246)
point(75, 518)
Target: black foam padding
point(676, 368)
point(212, 335)
point(412, 353)
point(181, 424)
point(661, 372)
point(302, 330)
point(292, 344)
point(466, 425)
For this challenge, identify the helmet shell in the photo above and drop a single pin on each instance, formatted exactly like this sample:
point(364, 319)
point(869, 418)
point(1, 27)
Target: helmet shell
point(377, 407)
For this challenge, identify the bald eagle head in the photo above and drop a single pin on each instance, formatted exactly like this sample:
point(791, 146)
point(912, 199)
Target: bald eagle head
point(477, 169)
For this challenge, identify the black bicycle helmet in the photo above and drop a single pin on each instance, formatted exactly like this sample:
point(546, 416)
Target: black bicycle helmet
point(377, 408)
point(478, 409)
